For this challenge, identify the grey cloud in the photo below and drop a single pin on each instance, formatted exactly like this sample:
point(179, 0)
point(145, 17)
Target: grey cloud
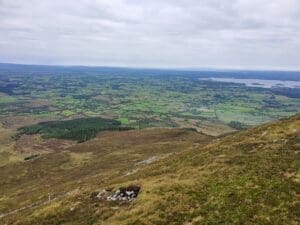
point(183, 33)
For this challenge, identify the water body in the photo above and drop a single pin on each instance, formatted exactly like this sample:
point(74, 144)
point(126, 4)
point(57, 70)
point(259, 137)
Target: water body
point(257, 82)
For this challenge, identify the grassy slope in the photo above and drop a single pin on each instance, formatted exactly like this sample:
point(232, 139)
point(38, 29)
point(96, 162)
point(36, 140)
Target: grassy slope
point(87, 166)
point(251, 177)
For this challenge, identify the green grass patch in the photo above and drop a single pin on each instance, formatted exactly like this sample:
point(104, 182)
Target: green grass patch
point(7, 99)
point(123, 120)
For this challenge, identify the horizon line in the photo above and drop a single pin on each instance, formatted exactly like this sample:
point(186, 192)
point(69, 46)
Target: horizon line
point(195, 69)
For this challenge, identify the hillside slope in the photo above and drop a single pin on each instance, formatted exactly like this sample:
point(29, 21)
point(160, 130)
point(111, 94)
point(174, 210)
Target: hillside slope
point(250, 177)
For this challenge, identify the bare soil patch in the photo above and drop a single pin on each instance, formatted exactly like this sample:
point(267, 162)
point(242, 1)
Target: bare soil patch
point(36, 144)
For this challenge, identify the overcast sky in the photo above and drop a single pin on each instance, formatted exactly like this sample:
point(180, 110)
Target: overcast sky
point(152, 33)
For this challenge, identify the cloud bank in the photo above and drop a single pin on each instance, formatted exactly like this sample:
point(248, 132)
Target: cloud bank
point(152, 33)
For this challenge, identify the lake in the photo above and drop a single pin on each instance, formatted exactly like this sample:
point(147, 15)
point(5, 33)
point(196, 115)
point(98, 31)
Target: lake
point(257, 82)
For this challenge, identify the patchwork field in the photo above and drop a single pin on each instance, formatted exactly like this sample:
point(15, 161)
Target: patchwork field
point(134, 146)
point(141, 98)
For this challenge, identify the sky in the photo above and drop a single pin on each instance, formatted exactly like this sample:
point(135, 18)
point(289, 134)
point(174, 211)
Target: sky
point(243, 34)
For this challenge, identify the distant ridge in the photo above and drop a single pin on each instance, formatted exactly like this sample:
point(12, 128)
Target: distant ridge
point(205, 72)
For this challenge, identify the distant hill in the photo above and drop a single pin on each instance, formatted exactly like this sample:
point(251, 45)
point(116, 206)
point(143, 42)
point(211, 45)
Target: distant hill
point(8, 68)
point(177, 176)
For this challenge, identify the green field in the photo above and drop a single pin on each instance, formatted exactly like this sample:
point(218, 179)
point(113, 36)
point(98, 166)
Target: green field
point(69, 134)
point(139, 99)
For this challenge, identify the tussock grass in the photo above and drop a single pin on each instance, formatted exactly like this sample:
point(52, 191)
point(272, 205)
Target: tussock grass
point(250, 177)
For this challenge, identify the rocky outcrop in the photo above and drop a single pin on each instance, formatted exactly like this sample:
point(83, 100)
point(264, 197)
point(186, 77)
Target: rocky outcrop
point(126, 194)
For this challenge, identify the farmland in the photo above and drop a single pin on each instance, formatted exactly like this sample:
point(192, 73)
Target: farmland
point(140, 98)
point(68, 134)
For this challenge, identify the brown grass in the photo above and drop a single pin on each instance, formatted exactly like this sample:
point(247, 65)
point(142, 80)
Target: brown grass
point(248, 177)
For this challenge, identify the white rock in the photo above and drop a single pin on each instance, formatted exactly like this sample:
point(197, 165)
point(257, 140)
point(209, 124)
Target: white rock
point(129, 192)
